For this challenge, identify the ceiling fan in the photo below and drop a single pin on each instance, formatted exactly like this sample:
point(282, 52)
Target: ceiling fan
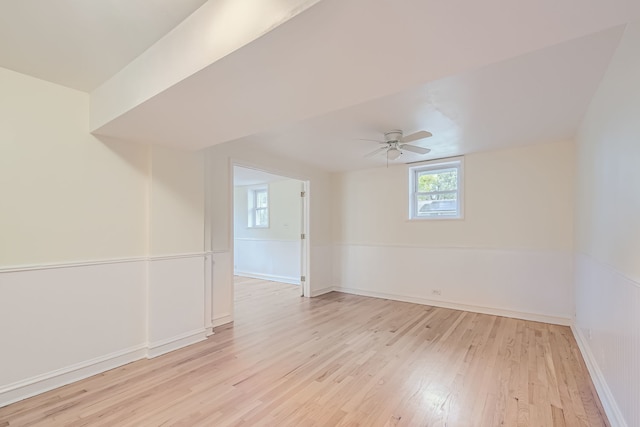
point(394, 143)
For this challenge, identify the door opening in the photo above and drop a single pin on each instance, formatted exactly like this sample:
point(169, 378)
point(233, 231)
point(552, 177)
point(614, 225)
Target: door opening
point(270, 236)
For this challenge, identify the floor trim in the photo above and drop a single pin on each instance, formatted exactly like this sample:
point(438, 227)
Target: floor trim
point(535, 317)
point(222, 320)
point(270, 277)
point(158, 348)
point(50, 380)
point(604, 392)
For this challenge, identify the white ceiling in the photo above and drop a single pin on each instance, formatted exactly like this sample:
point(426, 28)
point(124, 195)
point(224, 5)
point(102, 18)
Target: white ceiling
point(534, 98)
point(478, 75)
point(81, 43)
point(249, 176)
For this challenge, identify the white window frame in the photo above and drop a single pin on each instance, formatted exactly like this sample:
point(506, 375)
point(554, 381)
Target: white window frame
point(435, 166)
point(252, 196)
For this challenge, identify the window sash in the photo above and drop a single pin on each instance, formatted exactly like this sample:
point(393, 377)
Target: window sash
point(260, 199)
point(436, 193)
point(261, 217)
point(258, 208)
point(417, 197)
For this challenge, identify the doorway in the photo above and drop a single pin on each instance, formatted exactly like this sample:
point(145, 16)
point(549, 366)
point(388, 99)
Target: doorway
point(269, 227)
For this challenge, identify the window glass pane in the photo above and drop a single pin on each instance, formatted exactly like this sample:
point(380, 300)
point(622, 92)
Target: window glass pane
point(441, 180)
point(261, 199)
point(258, 205)
point(443, 204)
point(261, 217)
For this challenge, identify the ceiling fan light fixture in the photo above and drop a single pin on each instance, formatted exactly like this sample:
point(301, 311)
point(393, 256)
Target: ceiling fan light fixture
point(393, 153)
point(394, 143)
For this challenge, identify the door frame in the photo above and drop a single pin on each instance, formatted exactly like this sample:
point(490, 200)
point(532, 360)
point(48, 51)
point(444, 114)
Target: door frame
point(305, 260)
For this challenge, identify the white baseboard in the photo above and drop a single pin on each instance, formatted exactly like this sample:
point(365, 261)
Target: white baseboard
point(222, 320)
point(48, 381)
point(270, 277)
point(535, 317)
point(161, 347)
point(604, 393)
point(318, 292)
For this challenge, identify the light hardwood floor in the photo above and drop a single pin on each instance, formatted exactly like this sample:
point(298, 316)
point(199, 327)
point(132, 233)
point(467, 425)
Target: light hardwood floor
point(339, 360)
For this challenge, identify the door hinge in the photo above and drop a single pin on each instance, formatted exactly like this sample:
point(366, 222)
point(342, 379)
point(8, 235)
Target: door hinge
point(303, 278)
point(303, 193)
point(303, 236)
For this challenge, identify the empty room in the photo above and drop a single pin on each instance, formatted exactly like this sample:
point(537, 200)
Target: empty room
point(438, 222)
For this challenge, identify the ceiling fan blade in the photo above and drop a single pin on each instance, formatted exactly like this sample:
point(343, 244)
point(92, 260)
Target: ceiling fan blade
point(374, 152)
point(372, 140)
point(415, 149)
point(416, 136)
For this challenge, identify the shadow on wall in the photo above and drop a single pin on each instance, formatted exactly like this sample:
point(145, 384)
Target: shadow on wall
point(133, 153)
point(174, 172)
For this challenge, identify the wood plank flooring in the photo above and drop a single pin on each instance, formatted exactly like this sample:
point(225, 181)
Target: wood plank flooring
point(339, 360)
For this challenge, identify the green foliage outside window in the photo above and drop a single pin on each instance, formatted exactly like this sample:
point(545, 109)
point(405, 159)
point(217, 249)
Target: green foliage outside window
point(439, 181)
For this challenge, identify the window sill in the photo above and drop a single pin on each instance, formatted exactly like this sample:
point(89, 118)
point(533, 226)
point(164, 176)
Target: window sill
point(450, 218)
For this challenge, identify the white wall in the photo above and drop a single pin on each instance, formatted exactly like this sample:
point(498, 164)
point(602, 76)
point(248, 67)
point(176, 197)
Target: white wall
point(220, 220)
point(510, 254)
point(271, 253)
point(177, 296)
point(102, 243)
point(607, 237)
point(65, 195)
point(64, 323)
point(72, 208)
point(284, 211)
point(176, 211)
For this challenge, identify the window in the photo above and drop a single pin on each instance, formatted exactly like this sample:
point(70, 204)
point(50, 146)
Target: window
point(436, 190)
point(258, 207)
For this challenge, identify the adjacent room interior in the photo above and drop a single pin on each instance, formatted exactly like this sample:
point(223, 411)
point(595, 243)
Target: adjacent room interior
point(268, 226)
point(471, 219)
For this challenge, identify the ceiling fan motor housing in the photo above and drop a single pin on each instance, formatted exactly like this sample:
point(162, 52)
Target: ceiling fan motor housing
point(393, 136)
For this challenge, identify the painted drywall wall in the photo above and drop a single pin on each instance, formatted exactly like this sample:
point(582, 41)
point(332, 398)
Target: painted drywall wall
point(517, 198)
point(274, 252)
point(220, 220)
point(511, 252)
point(61, 324)
point(66, 196)
point(73, 231)
point(608, 197)
point(176, 281)
point(284, 212)
point(176, 211)
point(607, 236)
point(101, 243)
